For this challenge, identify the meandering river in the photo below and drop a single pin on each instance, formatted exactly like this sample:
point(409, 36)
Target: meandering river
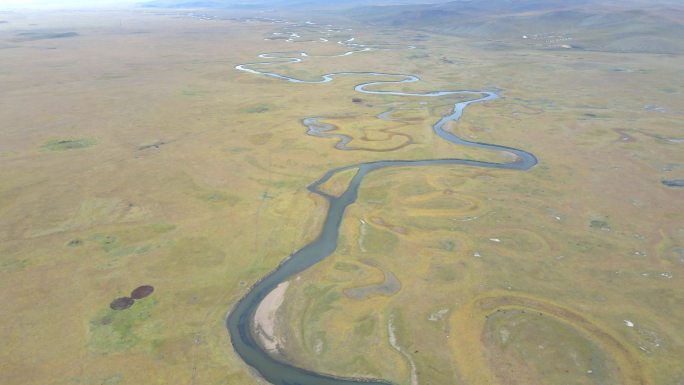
point(240, 319)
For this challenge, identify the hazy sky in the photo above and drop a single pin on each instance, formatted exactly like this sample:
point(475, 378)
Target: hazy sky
point(13, 4)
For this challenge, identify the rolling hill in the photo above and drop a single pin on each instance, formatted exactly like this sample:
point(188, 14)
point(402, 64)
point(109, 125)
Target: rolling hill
point(629, 26)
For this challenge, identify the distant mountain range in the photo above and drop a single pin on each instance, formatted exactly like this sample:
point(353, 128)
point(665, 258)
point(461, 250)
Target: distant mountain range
point(650, 26)
point(623, 26)
point(272, 4)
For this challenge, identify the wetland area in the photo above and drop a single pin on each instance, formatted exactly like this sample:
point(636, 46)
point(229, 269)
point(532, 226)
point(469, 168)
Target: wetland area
point(210, 197)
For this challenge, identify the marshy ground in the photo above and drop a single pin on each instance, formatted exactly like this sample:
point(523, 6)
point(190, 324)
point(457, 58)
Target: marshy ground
point(133, 154)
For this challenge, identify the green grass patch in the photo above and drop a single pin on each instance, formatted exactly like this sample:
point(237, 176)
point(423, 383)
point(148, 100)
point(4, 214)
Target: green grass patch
point(119, 330)
point(365, 326)
point(67, 144)
point(321, 300)
point(217, 197)
point(193, 93)
point(346, 267)
point(379, 241)
point(107, 242)
point(14, 265)
point(258, 108)
point(161, 228)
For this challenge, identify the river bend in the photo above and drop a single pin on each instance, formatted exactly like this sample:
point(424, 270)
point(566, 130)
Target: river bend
point(239, 321)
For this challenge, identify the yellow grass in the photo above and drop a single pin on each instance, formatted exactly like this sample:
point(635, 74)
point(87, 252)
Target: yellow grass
point(194, 181)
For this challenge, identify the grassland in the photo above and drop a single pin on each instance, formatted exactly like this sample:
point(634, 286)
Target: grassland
point(174, 170)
